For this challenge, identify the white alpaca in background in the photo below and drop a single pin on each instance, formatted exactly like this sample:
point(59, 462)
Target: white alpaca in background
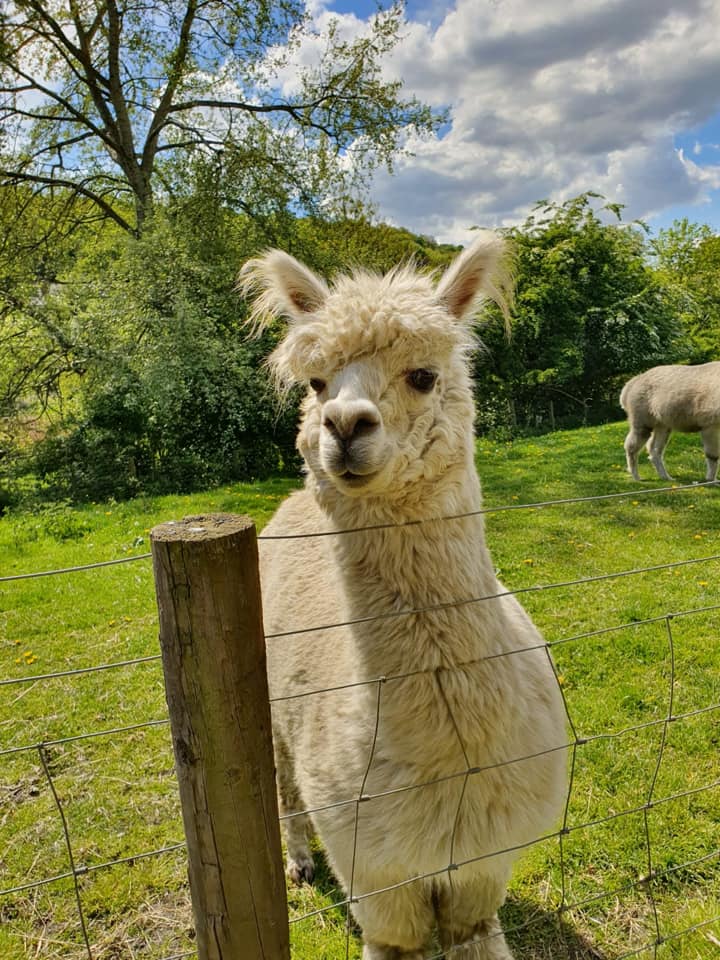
point(466, 745)
point(667, 398)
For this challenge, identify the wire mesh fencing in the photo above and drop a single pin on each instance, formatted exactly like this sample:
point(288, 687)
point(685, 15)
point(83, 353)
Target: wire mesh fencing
point(631, 869)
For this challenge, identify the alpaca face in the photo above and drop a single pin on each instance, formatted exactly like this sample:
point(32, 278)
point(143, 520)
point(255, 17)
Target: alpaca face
point(389, 398)
point(381, 422)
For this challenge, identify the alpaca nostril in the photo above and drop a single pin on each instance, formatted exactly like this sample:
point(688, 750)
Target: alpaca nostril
point(330, 427)
point(363, 425)
point(346, 429)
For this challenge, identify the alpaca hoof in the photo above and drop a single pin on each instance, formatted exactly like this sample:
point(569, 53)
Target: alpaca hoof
point(301, 870)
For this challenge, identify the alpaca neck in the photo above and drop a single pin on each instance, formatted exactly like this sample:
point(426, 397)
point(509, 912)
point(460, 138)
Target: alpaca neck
point(416, 566)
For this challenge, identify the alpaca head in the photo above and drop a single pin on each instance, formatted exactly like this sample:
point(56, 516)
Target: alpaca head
point(389, 401)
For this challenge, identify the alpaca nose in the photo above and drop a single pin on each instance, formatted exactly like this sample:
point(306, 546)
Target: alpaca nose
point(348, 421)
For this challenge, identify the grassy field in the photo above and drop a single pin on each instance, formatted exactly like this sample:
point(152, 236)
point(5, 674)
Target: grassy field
point(118, 789)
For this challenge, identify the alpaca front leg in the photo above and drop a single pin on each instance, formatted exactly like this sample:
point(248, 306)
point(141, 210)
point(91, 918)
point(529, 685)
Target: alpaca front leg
point(467, 918)
point(396, 924)
point(297, 825)
point(300, 864)
point(373, 951)
point(481, 941)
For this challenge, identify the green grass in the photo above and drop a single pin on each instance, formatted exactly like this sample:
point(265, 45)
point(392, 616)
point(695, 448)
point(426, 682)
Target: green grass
point(119, 792)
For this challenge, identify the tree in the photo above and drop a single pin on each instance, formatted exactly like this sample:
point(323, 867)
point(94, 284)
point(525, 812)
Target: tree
point(105, 100)
point(589, 312)
point(687, 258)
point(35, 351)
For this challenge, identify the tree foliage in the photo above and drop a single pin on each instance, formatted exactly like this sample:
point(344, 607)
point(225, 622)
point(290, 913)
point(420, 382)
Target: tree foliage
point(177, 399)
point(108, 99)
point(589, 312)
point(687, 257)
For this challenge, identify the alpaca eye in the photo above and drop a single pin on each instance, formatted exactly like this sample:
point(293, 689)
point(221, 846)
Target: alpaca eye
point(422, 380)
point(317, 385)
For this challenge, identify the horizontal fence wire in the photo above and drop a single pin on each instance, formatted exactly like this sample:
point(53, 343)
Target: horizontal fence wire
point(542, 504)
point(87, 868)
point(575, 742)
point(59, 741)
point(535, 588)
point(78, 569)
point(538, 505)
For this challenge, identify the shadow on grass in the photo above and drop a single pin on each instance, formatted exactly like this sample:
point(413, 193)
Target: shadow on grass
point(537, 934)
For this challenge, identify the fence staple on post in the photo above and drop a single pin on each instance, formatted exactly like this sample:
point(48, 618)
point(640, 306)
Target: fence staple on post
point(213, 650)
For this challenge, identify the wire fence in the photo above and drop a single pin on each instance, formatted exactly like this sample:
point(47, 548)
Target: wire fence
point(649, 885)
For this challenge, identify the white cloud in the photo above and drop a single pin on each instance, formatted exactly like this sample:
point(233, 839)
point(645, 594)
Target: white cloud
point(548, 99)
point(707, 176)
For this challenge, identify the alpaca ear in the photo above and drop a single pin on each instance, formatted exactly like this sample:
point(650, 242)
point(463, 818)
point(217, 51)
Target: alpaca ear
point(281, 286)
point(482, 268)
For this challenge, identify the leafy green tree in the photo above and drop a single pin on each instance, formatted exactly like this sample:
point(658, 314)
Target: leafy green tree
point(35, 351)
point(687, 258)
point(589, 312)
point(178, 398)
point(107, 100)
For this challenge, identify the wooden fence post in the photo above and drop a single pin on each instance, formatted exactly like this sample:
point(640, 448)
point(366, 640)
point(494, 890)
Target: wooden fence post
point(213, 650)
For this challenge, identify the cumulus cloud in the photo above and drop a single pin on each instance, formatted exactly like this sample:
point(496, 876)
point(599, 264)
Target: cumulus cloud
point(547, 100)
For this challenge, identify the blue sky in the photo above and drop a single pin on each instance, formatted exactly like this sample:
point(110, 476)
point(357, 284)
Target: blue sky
point(549, 98)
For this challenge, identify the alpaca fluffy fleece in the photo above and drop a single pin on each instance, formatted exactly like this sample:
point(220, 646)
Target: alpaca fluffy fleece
point(668, 398)
point(447, 721)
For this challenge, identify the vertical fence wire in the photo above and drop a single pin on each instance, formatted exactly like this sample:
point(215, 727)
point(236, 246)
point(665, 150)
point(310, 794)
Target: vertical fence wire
point(361, 797)
point(653, 782)
point(68, 847)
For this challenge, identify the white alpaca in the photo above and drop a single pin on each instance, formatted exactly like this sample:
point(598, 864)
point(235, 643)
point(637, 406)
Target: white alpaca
point(387, 436)
point(668, 398)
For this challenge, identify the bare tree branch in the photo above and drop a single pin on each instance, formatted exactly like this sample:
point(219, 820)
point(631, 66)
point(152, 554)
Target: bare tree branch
point(19, 176)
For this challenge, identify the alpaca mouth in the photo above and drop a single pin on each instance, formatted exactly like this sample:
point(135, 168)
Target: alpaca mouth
point(356, 479)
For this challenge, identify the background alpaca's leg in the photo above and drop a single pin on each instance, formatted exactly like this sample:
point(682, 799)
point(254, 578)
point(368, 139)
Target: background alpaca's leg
point(634, 442)
point(656, 448)
point(299, 829)
point(467, 915)
point(711, 446)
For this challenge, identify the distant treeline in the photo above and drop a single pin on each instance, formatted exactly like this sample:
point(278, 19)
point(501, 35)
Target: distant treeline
point(125, 365)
